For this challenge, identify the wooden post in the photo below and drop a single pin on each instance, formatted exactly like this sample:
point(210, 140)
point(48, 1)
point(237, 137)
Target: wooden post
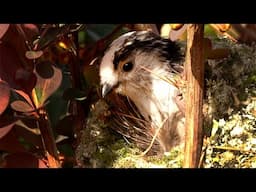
point(194, 73)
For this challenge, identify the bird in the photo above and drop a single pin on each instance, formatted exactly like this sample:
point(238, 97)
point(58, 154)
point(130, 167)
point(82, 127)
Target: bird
point(147, 70)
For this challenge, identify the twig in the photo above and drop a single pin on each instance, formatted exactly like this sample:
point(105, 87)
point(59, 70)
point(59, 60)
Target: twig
point(153, 139)
point(205, 145)
point(217, 28)
point(233, 149)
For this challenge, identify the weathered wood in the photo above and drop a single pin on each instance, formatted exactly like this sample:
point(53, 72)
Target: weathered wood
point(194, 73)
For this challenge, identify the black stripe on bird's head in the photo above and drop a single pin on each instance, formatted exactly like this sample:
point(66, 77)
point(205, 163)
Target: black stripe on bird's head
point(146, 41)
point(136, 51)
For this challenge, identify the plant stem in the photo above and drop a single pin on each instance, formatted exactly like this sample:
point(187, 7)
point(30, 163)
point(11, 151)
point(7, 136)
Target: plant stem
point(48, 140)
point(76, 107)
point(46, 134)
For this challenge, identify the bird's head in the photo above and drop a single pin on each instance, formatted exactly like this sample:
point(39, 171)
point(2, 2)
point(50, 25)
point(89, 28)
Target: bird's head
point(131, 61)
point(138, 65)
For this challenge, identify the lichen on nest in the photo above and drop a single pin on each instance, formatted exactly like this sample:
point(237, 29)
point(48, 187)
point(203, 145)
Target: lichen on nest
point(230, 89)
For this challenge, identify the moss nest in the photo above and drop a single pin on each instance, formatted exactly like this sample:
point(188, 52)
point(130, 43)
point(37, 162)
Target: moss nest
point(229, 123)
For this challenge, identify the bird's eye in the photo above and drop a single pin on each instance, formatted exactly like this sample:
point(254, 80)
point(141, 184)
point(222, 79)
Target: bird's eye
point(127, 67)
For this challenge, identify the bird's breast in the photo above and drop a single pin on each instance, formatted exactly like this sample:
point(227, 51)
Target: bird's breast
point(156, 102)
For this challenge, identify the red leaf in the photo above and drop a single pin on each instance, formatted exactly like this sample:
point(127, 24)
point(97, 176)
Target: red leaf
point(30, 28)
point(10, 142)
point(23, 160)
point(4, 96)
point(9, 64)
point(30, 31)
point(6, 124)
point(4, 130)
point(15, 40)
point(24, 95)
point(12, 72)
point(25, 79)
point(33, 54)
point(22, 106)
point(46, 87)
point(3, 29)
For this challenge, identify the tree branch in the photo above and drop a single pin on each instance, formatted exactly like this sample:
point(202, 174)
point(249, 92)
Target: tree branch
point(194, 73)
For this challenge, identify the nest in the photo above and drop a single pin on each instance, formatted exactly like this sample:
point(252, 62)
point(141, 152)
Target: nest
point(229, 83)
point(127, 121)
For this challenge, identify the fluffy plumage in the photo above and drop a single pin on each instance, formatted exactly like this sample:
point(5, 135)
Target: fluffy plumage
point(147, 68)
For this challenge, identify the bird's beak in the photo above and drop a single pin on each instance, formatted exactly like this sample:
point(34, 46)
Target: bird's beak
point(106, 88)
